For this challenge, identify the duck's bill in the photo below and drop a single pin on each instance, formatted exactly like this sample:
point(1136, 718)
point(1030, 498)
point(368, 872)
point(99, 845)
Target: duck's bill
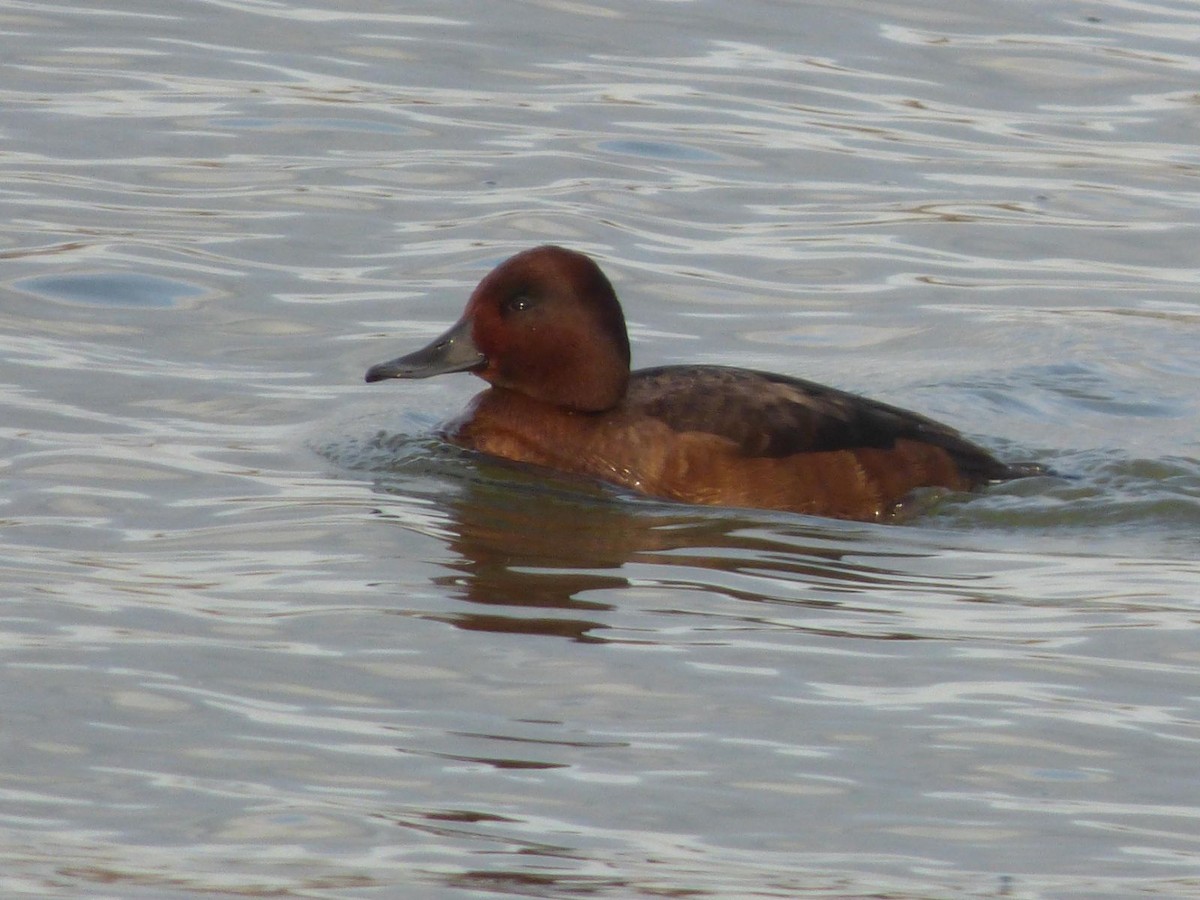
point(454, 351)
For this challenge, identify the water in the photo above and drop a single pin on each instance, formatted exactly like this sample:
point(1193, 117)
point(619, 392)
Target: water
point(264, 635)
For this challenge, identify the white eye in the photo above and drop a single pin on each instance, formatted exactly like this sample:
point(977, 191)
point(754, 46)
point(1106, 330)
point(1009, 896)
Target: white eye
point(517, 303)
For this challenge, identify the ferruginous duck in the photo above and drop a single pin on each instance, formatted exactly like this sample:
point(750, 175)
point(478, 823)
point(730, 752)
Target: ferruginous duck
point(545, 330)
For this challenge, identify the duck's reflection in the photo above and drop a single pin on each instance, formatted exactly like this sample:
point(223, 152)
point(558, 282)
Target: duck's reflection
point(536, 555)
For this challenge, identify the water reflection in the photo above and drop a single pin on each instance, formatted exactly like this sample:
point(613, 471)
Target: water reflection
point(130, 289)
point(546, 555)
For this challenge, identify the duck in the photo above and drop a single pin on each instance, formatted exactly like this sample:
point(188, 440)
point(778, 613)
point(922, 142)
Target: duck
point(547, 333)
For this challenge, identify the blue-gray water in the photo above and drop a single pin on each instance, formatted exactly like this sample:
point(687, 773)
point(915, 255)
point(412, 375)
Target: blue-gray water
point(264, 636)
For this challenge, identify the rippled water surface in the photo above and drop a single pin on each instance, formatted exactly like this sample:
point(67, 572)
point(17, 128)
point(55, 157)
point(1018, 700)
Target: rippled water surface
point(264, 635)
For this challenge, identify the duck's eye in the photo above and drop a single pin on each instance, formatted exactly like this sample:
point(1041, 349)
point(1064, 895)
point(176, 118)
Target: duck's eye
point(517, 303)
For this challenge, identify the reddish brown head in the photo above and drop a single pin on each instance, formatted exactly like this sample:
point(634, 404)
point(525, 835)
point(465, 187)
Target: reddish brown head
point(545, 323)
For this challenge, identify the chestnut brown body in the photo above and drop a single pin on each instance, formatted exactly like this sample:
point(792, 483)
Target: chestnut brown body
point(545, 329)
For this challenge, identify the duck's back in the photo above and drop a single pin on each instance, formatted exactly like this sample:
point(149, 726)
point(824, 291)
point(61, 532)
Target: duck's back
point(791, 443)
point(772, 415)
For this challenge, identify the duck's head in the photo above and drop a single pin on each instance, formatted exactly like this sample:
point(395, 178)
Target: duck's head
point(545, 323)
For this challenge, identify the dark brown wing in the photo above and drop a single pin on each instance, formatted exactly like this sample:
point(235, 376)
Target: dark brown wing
point(776, 416)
